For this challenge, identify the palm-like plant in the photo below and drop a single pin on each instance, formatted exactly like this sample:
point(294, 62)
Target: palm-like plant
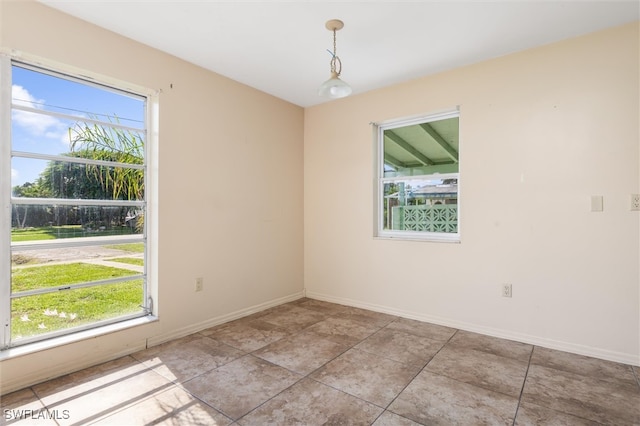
point(112, 144)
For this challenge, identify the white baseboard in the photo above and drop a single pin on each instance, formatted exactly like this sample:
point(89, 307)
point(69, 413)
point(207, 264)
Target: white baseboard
point(212, 322)
point(600, 353)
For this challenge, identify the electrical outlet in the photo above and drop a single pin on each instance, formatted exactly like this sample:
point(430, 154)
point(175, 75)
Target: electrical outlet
point(635, 202)
point(506, 290)
point(199, 283)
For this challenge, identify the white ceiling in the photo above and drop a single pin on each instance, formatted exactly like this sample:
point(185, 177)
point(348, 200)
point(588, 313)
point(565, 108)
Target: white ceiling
point(280, 47)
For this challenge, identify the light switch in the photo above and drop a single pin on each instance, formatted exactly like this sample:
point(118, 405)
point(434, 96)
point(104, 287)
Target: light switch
point(596, 203)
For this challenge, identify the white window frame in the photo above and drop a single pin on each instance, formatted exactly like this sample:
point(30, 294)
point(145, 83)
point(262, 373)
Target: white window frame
point(378, 135)
point(150, 236)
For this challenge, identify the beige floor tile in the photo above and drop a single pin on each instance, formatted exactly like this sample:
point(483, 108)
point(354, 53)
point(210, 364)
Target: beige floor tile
point(294, 318)
point(321, 306)
point(364, 316)
point(586, 397)
point(402, 347)
point(285, 307)
point(342, 330)
point(247, 336)
point(24, 398)
point(298, 301)
point(492, 345)
point(371, 377)
point(95, 393)
point(312, 362)
point(431, 399)
point(311, 403)
point(241, 385)
point(583, 365)
point(390, 419)
point(172, 407)
point(24, 408)
point(423, 329)
point(183, 359)
point(301, 353)
point(90, 378)
point(534, 415)
point(496, 373)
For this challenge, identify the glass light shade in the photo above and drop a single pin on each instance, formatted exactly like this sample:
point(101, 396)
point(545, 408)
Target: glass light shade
point(334, 88)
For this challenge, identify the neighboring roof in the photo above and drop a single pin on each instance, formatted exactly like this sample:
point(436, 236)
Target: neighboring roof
point(429, 191)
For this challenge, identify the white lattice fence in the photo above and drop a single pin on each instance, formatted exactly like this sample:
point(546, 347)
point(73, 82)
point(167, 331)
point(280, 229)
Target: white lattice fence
point(438, 218)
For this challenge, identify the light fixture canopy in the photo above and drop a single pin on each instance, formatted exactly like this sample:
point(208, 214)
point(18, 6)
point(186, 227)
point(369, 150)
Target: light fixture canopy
point(334, 88)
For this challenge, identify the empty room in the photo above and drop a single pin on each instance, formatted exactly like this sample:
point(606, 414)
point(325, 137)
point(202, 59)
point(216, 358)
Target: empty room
point(308, 213)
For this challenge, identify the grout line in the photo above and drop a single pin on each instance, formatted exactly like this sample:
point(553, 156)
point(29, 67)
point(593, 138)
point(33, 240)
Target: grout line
point(635, 374)
point(348, 347)
point(524, 382)
point(419, 371)
point(302, 377)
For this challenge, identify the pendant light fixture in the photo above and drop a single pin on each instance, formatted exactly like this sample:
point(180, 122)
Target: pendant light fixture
point(334, 88)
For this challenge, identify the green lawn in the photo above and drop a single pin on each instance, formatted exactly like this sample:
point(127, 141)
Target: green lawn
point(67, 231)
point(133, 247)
point(31, 234)
point(44, 313)
point(129, 260)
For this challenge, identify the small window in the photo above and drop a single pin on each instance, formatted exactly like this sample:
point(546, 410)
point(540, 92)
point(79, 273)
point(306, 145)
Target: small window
point(417, 171)
point(75, 253)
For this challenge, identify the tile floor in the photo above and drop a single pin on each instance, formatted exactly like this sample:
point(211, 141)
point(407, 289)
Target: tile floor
point(315, 363)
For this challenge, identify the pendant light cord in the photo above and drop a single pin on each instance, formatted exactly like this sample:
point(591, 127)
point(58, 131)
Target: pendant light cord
point(335, 60)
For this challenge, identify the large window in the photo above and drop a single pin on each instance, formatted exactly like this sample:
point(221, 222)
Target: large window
point(74, 204)
point(417, 172)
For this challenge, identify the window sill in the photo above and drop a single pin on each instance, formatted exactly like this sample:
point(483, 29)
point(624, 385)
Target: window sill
point(429, 238)
point(43, 345)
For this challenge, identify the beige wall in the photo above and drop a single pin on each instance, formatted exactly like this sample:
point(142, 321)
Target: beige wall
point(540, 132)
point(230, 187)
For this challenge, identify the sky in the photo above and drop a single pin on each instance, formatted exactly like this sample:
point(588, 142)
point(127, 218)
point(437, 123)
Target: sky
point(42, 133)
